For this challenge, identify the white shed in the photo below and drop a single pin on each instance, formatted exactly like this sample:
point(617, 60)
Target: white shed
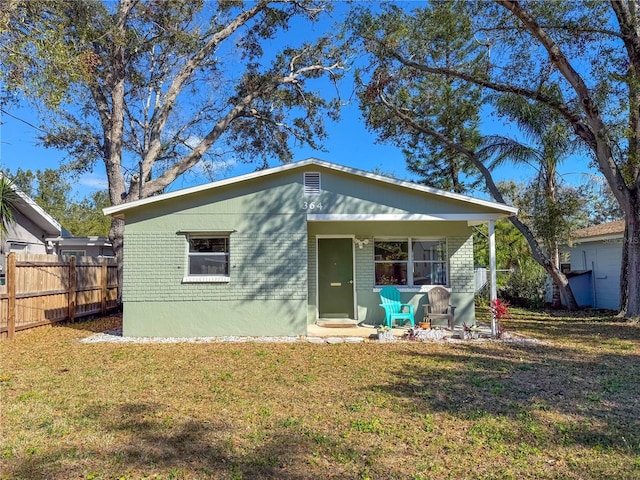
point(596, 259)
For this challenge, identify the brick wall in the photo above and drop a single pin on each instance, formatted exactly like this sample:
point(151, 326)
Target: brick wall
point(312, 273)
point(365, 269)
point(461, 264)
point(263, 266)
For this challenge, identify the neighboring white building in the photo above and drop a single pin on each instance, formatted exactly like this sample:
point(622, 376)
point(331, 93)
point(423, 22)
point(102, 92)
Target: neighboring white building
point(595, 265)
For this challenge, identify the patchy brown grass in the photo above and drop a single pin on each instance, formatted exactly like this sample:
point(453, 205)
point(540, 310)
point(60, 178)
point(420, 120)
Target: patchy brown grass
point(564, 408)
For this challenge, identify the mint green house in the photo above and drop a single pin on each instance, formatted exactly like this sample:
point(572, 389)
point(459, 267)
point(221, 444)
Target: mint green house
point(271, 252)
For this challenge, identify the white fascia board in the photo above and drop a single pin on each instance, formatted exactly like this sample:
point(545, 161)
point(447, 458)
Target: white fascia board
point(395, 217)
point(601, 238)
point(91, 241)
point(85, 241)
point(116, 209)
point(28, 207)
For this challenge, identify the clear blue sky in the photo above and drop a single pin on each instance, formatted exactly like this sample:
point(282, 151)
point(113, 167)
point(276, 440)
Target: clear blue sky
point(348, 143)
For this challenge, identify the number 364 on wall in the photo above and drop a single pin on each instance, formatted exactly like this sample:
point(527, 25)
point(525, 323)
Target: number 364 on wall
point(311, 206)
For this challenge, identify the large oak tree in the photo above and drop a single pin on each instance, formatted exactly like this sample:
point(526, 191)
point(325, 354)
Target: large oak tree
point(578, 59)
point(432, 114)
point(152, 89)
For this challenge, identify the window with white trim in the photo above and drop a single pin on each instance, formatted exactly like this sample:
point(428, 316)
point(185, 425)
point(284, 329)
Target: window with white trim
point(208, 256)
point(410, 262)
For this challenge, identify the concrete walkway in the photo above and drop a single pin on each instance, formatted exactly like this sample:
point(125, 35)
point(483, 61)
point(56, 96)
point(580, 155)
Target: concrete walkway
point(357, 331)
point(370, 332)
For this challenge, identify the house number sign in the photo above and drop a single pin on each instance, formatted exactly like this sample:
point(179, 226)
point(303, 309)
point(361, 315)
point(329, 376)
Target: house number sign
point(311, 206)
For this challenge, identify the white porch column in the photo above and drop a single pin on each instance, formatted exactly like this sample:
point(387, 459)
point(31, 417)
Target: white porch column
point(493, 292)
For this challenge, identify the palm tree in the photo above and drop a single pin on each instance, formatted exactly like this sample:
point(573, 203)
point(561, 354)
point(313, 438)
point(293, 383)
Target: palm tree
point(549, 143)
point(8, 200)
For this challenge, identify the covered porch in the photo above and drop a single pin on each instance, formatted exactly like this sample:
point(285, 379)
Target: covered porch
point(344, 290)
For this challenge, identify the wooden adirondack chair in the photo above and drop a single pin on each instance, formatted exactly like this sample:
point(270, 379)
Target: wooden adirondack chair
point(439, 306)
point(393, 308)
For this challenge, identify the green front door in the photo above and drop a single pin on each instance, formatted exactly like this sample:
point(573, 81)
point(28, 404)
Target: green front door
point(335, 278)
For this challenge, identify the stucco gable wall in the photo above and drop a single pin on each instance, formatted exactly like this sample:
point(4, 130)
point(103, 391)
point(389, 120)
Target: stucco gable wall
point(282, 194)
point(345, 194)
point(24, 230)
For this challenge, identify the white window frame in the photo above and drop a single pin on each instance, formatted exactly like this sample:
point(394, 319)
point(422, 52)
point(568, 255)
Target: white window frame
point(411, 261)
point(207, 278)
point(73, 253)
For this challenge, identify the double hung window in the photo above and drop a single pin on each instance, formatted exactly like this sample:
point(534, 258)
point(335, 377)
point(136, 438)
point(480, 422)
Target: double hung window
point(410, 262)
point(208, 256)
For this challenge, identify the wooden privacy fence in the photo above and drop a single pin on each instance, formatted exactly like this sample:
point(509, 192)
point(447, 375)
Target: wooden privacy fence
point(45, 289)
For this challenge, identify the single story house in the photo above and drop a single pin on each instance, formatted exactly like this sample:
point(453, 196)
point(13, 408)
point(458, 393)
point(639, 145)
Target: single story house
point(271, 252)
point(594, 265)
point(34, 231)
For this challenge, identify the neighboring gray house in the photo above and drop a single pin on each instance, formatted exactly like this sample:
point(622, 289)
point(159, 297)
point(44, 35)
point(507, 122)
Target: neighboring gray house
point(271, 252)
point(34, 231)
point(595, 265)
point(94, 246)
point(29, 231)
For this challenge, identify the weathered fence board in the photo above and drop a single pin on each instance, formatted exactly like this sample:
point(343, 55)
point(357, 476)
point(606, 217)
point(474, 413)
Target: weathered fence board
point(45, 289)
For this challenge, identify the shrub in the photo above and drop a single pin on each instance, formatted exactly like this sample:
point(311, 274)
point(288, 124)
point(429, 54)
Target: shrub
point(526, 285)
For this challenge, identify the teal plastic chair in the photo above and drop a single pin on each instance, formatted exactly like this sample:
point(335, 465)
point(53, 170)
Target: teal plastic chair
point(394, 309)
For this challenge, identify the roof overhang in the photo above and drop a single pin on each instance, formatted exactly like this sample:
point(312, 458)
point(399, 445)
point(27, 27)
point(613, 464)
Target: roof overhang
point(471, 219)
point(81, 241)
point(35, 213)
point(613, 238)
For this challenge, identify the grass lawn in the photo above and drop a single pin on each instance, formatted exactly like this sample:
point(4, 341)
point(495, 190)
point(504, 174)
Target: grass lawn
point(567, 407)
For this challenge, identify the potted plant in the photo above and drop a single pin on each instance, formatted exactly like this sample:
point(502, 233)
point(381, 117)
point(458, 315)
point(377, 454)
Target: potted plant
point(499, 311)
point(470, 331)
point(385, 334)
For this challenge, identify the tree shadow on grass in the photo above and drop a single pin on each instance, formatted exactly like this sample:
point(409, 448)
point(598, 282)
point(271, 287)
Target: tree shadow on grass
point(150, 441)
point(594, 399)
point(591, 331)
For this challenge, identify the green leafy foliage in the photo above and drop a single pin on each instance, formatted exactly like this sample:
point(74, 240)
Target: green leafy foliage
point(403, 107)
point(8, 199)
point(564, 71)
point(53, 192)
point(154, 90)
point(513, 245)
point(525, 284)
point(602, 205)
point(169, 69)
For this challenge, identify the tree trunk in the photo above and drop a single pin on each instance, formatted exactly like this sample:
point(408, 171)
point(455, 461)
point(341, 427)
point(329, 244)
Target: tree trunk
point(556, 297)
point(558, 278)
point(561, 282)
point(116, 235)
point(630, 280)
